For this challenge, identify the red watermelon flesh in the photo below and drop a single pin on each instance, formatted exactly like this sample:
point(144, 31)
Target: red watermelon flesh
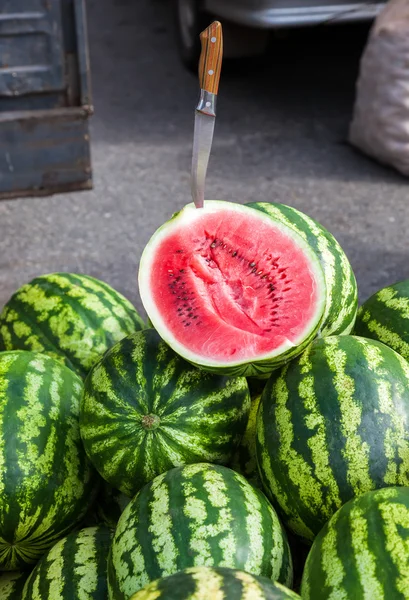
point(225, 285)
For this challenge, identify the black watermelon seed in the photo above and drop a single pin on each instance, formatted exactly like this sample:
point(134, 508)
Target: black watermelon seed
point(252, 264)
point(234, 253)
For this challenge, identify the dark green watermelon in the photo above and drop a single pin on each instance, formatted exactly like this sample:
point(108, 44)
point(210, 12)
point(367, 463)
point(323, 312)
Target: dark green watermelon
point(197, 515)
point(385, 317)
point(74, 569)
point(214, 583)
point(362, 552)
point(73, 318)
point(12, 584)
point(47, 483)
point(333, 424)
point(146, 410)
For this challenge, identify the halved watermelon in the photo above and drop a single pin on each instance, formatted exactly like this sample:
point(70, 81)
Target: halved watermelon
point(232, 289)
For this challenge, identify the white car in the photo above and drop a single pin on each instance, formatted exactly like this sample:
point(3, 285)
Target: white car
point(260, 16)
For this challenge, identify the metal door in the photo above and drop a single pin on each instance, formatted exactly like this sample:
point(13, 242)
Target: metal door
point(45, 101)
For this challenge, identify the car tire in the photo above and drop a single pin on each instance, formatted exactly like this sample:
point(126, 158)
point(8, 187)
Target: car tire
point(190, 20)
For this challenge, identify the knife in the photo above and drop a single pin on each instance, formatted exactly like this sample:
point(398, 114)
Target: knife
point(210, 65)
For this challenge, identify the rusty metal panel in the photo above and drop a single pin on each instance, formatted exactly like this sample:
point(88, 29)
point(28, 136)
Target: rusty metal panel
point(44, 152)
point(31, 47)
point(83, 53)
point(45, 98)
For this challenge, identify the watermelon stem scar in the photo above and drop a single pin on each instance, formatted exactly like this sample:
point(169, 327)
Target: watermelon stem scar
point(228, 286)
point(150, 422)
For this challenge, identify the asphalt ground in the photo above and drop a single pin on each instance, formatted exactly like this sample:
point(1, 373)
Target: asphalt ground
point(280, 136)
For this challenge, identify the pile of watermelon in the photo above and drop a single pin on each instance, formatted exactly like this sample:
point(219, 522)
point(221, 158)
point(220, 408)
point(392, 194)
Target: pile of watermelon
point(250, 441)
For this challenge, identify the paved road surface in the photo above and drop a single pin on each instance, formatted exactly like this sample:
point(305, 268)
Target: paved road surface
point(280, 136)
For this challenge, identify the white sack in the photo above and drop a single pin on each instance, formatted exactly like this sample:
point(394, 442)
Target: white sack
point(380, 124)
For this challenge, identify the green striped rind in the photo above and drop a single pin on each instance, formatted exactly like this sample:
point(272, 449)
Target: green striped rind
point(46, 481)
point(146, 410)
point(197, 515)
point(333, 424)
point(110, 505)
point(217, 583)
point(362, 552)
point(385, 317)
point(12, 584)
point(342, 291)
point(73, 318)
point(244, 460)
point(75, 568)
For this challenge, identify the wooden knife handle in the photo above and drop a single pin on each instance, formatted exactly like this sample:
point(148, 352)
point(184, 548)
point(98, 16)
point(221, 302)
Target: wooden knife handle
point(210, 64)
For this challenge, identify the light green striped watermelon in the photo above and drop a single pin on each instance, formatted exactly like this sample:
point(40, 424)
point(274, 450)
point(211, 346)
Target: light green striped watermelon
point(12, 584)
point(74, 569)
point(245, 460)
point(231, 289)
point(362, 552)
point(342, 292)
point(385, 317)
point(46, 481)
point(214, 583)
point(192, 516)
point(73, 318)
point(333, 424)
point(146, 410)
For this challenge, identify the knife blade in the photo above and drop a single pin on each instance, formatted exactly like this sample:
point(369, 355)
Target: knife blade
point(205, 114)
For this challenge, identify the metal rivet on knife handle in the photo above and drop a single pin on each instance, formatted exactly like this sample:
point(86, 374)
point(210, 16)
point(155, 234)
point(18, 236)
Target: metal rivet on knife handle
point(210, 64)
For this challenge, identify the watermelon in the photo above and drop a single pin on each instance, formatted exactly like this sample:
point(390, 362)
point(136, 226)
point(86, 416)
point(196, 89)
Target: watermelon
point(342, 291)
point(146, 410)
point(73, 318)
point(362, 552)
point(47, 483)
point(385, 317)
point(245, 460)
point(219, 583)
point(75, 568)
point(192, 516)
point(333, 424)
point(231, 289)
point(12, 584)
